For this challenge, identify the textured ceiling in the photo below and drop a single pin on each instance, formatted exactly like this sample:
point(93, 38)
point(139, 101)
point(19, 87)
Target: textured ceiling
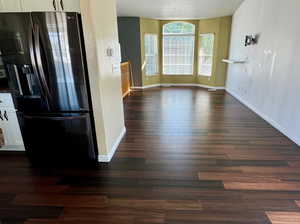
point(177, 9)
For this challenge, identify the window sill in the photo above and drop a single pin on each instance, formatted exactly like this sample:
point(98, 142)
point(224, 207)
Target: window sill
point(154, 75)
point(207, 76)
point(178, 74)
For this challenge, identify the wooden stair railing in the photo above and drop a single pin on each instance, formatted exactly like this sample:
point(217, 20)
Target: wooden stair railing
point(126, 78)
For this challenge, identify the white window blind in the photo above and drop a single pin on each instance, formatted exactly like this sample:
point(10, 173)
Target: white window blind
point(178, 48)
point(151, 54)
point(206, 54)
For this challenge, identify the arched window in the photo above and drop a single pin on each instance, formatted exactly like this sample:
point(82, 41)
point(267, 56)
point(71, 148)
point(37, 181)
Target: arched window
point(178, 48)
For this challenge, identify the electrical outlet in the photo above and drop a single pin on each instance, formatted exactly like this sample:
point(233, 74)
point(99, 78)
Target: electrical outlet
point(116, 68)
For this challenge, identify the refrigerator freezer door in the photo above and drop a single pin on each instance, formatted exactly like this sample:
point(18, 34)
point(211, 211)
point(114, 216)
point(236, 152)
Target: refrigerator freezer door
point(14, 47)
point(18, 62)
point(58, 138)
point(60, 60)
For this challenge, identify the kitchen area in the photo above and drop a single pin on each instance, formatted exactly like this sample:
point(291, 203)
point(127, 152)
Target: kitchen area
point(47, 91)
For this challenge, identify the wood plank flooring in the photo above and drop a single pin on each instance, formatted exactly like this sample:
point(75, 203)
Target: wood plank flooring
point(189, 157)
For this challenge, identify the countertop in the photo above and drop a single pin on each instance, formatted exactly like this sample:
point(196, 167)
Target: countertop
point(8, 91)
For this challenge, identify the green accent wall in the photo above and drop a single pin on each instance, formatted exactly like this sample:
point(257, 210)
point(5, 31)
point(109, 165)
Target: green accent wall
point(221, 27)
point(129, 37)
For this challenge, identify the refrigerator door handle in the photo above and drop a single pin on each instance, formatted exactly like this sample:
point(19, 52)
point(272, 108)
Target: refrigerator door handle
point(18, 80)
point(34, 63)
point(40, 64)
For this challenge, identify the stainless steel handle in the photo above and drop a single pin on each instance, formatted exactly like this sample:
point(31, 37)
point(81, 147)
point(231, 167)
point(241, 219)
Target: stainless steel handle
point(54, 4)
point(40, 64)
point(5, 115)
point(33, 62)
point(62, 5)
point(18, 80)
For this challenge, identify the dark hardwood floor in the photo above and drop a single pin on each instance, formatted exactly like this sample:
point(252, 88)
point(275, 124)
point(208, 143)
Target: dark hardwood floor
point(189, 157)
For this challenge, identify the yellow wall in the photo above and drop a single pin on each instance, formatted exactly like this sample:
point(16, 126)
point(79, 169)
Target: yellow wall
point(149, 26)
point(224, 44)
point(221, 27)
point(100, 32)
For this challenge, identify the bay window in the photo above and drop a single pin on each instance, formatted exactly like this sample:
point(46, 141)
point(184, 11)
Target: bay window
point(151, 54)
point(206, 54)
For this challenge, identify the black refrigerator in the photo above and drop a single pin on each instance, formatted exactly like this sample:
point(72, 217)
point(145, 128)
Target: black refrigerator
point(42, 62)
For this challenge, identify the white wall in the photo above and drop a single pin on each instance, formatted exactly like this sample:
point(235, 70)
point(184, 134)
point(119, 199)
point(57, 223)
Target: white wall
point(101, 32)
point(270, 82)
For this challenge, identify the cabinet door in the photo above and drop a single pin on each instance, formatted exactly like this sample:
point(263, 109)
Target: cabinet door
point(69, 5)
point(11, 128)
point(40, 5)
point(11, 6)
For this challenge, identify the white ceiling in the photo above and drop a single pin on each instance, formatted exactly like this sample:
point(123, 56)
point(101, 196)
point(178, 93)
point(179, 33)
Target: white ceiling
point(177, 9)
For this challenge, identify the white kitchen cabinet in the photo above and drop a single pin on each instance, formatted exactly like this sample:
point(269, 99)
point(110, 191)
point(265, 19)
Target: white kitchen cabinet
point(6, 101)
point(10, 125)
point(50, 5)
point(11, 6)
point(69, 5)
point(39, 5)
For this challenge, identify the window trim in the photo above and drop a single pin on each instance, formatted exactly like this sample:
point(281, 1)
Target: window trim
point(179, 34)
point(213, 55)
point(156, 55)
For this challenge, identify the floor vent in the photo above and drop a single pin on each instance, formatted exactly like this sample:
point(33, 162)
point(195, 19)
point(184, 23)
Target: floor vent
point(212, 90)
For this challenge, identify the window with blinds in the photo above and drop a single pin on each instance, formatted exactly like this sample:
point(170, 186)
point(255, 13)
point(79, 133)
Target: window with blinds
point(151, 54)
point(178, 48)
point(206, 54)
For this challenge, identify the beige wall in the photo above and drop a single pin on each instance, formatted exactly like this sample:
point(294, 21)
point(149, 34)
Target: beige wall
point(100, 32)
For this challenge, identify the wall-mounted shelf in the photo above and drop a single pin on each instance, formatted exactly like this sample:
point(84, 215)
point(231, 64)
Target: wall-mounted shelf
point(229, 61)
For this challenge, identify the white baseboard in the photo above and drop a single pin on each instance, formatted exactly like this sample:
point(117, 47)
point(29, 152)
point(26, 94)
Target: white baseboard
point(180, 85)
point(13, 148)
point(136, 87)
point(146, 87)
point(125, 94)
point(283, 130)
point(192, 85)
point(107, 158)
